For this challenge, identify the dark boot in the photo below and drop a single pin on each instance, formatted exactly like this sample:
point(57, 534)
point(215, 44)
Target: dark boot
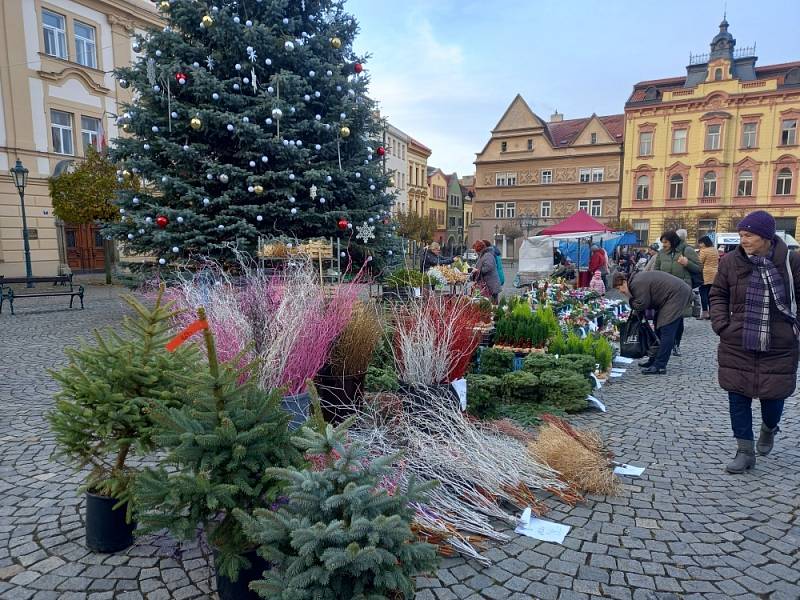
point(654, 371)
point(745, 457)
point(676, 351)
point(766, 439)
point(647, 362)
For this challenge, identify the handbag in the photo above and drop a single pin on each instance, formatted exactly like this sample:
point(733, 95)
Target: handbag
point(636, 337)
point(697, 278)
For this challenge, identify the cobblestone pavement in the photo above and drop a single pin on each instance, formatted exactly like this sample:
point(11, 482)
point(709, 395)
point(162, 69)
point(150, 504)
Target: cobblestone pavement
point(685, 530)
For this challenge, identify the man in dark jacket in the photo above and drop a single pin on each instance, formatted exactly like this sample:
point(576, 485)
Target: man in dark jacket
point(665, 294)
point(754, 313)
point(431, 257)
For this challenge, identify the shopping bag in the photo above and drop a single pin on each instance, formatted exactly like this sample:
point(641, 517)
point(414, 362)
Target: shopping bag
point(636, 337)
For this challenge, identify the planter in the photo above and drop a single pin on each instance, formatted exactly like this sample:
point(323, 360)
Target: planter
point(339, 395)
point(106, 528)
point(401, 293)
point(240, 589)
point(298, 406)
point(420, 398)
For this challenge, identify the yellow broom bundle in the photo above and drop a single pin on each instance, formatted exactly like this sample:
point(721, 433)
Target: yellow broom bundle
point(579, 456)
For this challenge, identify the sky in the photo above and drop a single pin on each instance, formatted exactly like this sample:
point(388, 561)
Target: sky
point(444, 71)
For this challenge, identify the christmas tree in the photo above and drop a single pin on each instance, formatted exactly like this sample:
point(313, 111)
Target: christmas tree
point(108, 392)
point(339, 536)
point(251, 119)
point(219, 446)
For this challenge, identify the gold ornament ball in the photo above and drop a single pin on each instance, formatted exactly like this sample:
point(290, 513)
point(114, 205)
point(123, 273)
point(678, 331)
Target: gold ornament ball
point(391, 182)
point(126, 173)
point(258, 189)
point(126, 127)
point(164, 5)
point(344, 131)
point(195, 123)
point(336, 42)
point(207, 21)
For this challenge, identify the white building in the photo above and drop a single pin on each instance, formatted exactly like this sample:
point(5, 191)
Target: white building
point(396, 164)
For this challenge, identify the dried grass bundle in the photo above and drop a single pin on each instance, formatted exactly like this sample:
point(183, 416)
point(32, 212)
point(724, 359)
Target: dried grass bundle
point(354, 348)
point(576, 458)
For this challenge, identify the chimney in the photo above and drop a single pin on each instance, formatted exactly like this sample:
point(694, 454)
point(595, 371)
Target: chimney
point(556, 117)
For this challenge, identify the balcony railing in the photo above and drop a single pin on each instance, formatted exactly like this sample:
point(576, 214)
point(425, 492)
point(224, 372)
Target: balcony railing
point(744, 52)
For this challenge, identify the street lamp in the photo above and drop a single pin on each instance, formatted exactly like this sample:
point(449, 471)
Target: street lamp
point(527, 221)
point(20, 174)
point(460, 240)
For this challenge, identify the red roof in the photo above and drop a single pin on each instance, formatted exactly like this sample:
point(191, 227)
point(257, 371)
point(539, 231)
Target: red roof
point(580, 222)
point(563, 133)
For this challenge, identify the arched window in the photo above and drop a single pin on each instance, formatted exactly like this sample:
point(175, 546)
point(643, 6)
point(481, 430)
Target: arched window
point(676, 186)
point(709, 185)
point(745, 187)
point(717, 74)
point(643, 188)
point(784, 186)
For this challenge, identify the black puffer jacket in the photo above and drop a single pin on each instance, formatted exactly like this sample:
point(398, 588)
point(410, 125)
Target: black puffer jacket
point(770, 375)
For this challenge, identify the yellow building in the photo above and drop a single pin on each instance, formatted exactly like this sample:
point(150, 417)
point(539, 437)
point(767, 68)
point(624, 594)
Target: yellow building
point(57, 97)
point(417, 177)
point(437, 203)
point(703, 150)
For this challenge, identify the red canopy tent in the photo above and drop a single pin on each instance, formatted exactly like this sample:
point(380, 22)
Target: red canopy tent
point(580, 222)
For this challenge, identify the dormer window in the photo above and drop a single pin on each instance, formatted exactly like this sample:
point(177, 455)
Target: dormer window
point(593, 138)
point(717, 74)
point(503, 146)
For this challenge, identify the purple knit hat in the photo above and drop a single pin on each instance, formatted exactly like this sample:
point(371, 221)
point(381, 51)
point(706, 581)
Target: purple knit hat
point(759, 222)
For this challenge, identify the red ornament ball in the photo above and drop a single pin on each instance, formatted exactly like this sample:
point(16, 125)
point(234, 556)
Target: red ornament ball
point(342, 224)
point(181, 78)
point(358, 67)
point(380, 150)
point(162, 221)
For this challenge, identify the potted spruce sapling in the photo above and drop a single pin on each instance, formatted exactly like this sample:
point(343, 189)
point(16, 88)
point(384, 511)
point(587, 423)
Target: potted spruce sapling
point(340, 535)
point(101, 417)
point(219, 447)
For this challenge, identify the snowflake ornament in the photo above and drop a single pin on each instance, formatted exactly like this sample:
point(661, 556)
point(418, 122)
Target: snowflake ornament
point(251, 54)
point(210, 63)
point(313, 192)
point(366, 233)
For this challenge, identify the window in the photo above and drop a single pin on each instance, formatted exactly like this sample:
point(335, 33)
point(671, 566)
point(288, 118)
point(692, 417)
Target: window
point(455, 200)
point(530, 144)
point(597, 174)
point(676, 187)
point(511, 210)
point(503, 146)
point(452, 222)
point(597, 208)
point(749, 135)
point(642, 230)
point(646, 143)
point(583, 205)
point(643, 188)
point(784, 187)
point(789, 132)
point(61, 128)
point(90, 133)
point(713, 137)
point(706, 226)
point(544, 209)
point(709, 185)
point(679, 141)
point(547, 176)
point(585, 175)
point(593, 138)
point(55, 34)
point(85, 47)
point(717, 74)
point(745, 185)
point(505, 179)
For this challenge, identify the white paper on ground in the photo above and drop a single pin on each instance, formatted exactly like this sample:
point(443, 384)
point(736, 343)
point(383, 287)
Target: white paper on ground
point(628, 470)
point(596, 403)
point(460, 387)
point(616, 374)
point(623, 360)
point(547, 531)
point(597, 383)
point(618, 370)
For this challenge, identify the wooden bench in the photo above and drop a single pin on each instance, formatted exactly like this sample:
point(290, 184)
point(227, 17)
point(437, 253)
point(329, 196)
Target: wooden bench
point(7, 293)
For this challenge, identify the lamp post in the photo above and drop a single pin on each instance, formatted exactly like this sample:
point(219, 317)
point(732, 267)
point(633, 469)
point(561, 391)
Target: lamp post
point(460, 240)
point(527, 221)
point(20, 174)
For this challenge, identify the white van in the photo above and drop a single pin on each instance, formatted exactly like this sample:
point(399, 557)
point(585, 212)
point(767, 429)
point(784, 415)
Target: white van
point(727, 242)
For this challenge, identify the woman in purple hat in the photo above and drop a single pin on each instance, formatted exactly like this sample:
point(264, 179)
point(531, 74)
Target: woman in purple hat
point(754, 312)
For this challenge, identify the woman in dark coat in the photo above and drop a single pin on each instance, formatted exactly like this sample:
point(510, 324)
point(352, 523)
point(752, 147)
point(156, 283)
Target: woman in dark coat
point(754, 312)
point(665, 294)
point(485, 272)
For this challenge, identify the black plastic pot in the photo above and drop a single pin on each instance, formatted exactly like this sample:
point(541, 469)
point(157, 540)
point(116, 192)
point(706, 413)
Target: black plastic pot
point(298, 406)
point(240, 589)
point(339, 394)
point(106, 528)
